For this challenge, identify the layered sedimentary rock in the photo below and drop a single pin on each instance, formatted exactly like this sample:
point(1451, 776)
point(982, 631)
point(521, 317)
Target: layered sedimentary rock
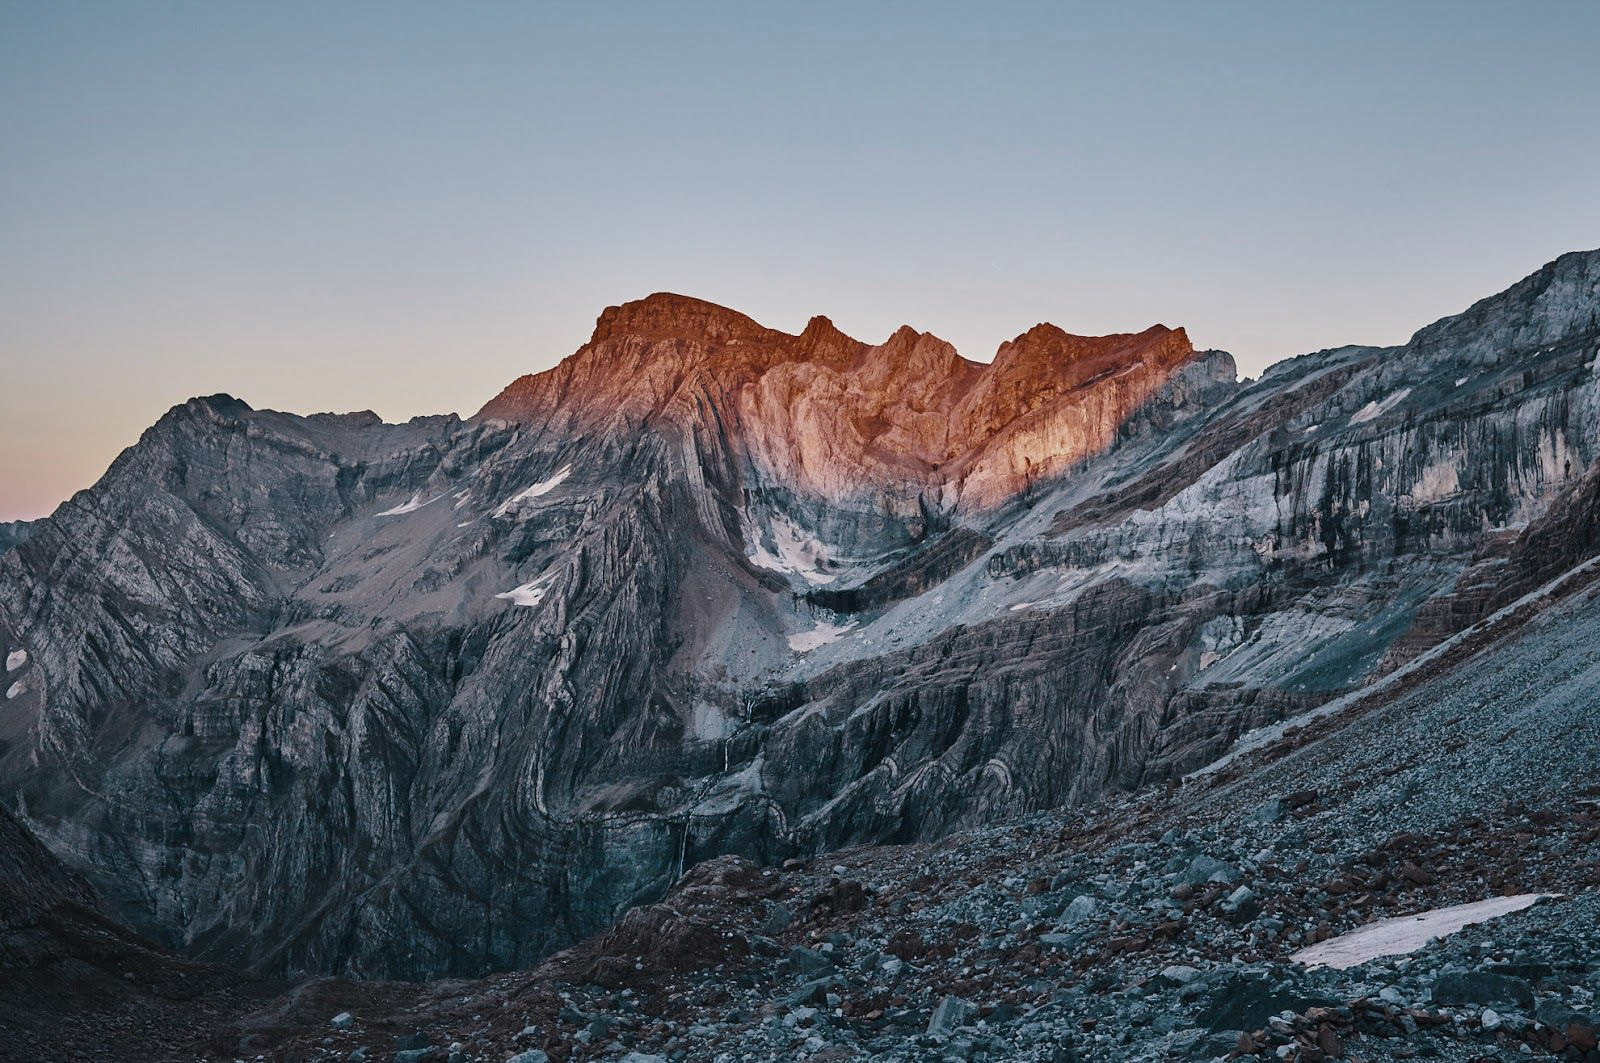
point(840, 421)
point(326, 693)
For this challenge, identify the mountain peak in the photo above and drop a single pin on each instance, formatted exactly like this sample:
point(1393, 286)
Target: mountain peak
point(1048, 340)
point(821, 340)
point(669, 315)
point(832, 416)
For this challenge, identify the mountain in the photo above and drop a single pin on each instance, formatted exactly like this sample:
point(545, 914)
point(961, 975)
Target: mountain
point(332, 695)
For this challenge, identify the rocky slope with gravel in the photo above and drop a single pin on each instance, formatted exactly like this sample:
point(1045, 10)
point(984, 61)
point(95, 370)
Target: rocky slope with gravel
point(332, 695)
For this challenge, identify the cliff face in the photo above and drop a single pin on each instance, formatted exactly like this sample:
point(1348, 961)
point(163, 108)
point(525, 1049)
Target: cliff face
point(76, 983)
point(325, 693)
point(903, 423)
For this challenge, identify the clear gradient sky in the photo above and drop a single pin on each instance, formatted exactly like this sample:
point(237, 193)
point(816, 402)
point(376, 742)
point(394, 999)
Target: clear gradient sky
point(403, 206)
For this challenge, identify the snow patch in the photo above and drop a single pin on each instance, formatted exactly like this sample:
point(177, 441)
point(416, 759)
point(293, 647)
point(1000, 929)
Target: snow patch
point(16, 659)
point(1375, 409)
point(530, 593)
point(410, 505)
point(16, 688)
point(1463, 380)
point(798, 554)
point(821, 635)
point(513, 505)
point(1408, 933)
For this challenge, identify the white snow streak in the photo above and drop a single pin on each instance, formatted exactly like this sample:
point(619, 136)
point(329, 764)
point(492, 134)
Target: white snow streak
point(410, 505)
point(798, 554)
point(1374, 410)
point(821, 635)
point(16, 688)
point(514, 504)
point(1408, 933)
point(530, 593)
point(16, 659)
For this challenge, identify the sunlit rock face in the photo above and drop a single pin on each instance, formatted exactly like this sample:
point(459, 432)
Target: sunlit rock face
point(899, 427)
point(323, 693)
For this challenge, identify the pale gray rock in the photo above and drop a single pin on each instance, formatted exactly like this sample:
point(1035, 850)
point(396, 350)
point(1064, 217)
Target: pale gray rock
point(951, 1014)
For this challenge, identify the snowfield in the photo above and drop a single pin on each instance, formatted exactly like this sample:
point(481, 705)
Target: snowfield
point(410, 505)
point(16, 659)
point(1374, 410)
point(530, 593)
point(821, 635)
point(1408, 933)
point(798, 554)
point(513, 505)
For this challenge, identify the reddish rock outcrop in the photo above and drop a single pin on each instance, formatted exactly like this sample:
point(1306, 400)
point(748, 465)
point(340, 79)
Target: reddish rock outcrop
point(832, 417)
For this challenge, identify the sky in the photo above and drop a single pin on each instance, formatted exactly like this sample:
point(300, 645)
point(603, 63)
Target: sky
point(402, 206)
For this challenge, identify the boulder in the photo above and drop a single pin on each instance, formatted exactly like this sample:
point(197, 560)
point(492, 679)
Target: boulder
point(1481, 987)
point(951, 1014)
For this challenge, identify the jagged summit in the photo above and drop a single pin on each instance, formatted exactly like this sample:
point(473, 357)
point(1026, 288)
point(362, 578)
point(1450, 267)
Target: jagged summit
point(668, 315)
point(220, 403)
point(711, 329)
point(1555, 303)
point(834, 417)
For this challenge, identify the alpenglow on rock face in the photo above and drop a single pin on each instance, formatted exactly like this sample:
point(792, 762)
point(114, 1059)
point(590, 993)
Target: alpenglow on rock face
point(323, 693)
